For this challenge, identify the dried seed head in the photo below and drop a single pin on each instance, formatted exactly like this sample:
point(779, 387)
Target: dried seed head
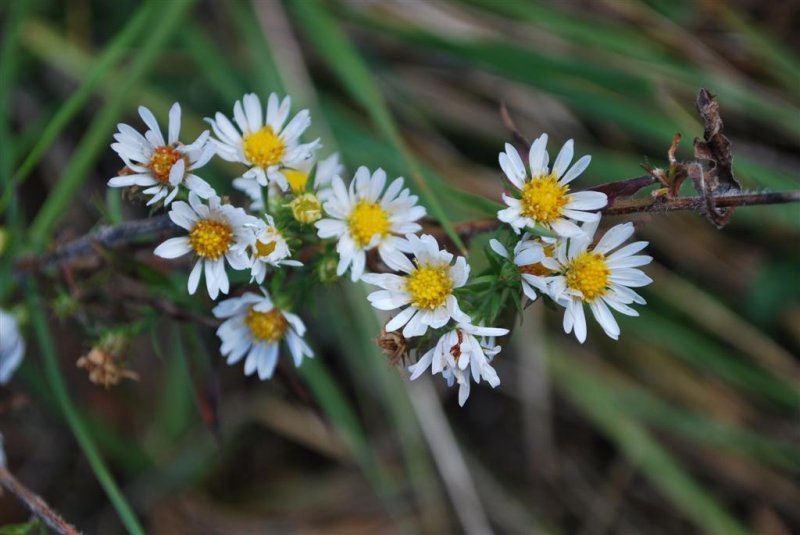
point(105, 366)
point(394, 346)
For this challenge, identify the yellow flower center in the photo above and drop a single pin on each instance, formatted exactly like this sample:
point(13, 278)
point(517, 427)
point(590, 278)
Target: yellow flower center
point(265, 249)
point(161, 163)
point(297, 179)
point(366, 220)
point(430, 286)
point(538, 269)
point(589, 274)
point(263, 148)
point(210, 239)
point(306, 208)
point(266, 326)
point(543, 199)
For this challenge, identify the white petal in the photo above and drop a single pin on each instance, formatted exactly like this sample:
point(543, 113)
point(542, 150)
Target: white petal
point(498, 248)
point(173, 248)
point(614, 237)
point(401, 319)
point(174, 123)
point(563, 159)
point(576, 170)
point(194, 277)
point(537, 157)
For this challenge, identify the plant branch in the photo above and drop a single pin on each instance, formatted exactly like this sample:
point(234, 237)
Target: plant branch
point(36, 505)
point(113, 237)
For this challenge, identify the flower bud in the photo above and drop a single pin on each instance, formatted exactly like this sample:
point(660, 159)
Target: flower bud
point(306, 208)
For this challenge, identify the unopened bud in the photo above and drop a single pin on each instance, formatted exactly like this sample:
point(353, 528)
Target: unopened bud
point(306, 208)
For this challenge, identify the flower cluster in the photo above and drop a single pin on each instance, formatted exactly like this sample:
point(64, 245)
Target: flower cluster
point(571, 268)
point(297, 206)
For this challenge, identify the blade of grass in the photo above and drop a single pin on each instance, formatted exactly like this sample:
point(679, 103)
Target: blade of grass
point(596, 401)
point(263, 70)
point(99, 133)
point(336, 407)
point(41, 40)
point(702, 352)
point(342, 57)
point(111, 56)
point(639, 402)
point(574, 82)
point(618, 46)
point(209, 58)
point(369, 367)
point(359, 145)
point(71, 413)
point(8, 70)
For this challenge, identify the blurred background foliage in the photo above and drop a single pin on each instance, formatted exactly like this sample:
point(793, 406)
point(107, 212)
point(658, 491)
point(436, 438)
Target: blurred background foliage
point(688, 424)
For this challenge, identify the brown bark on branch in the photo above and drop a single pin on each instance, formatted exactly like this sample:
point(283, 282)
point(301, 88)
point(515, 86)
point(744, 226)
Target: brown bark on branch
point(36, 505)
point(125, 233)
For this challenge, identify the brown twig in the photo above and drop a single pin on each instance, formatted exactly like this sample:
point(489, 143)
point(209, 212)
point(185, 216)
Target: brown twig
point(125, 233)
point(108, 237)
point(650, 205)
point(36, 505)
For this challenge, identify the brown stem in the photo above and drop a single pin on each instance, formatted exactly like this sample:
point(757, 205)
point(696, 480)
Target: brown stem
point(112, 237)
point(37, 505)
point(649, 205)
point(658, 204)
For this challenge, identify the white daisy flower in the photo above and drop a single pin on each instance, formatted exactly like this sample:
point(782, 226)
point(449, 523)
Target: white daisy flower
point(363, 219)
point(426, 291)
point(265, 143)
point(254, 327)
point(268, 247)
point(458, 355)
point(544, 195)
point(597, 277)
point(528, 255)
point(158, 165)
point(217, 232)
point(12, 346)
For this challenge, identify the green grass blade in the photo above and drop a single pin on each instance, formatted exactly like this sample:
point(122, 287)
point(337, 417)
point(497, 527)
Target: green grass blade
point(72, 415)
point(596, 401)
point(335, 405)
point(99, 133)
point(111, 56)
point(210, 60)
point(333, 45)
point(8, 70)
point(262, 65)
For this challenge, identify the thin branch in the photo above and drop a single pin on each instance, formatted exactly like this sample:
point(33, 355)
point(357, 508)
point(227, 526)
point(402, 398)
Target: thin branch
point(653, 204)
point(658, 204)
point(108, 237)
point(36, 505)
point(131, 231)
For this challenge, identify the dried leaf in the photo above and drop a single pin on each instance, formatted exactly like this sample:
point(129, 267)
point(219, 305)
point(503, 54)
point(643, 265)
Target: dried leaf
point(717, 176)
point(715, 147)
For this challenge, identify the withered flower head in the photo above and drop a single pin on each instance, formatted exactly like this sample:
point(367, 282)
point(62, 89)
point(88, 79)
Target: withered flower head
point(105, 365)
point(393, 345)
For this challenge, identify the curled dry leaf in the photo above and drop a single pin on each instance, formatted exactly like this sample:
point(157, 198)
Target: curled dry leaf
point(716, 177)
